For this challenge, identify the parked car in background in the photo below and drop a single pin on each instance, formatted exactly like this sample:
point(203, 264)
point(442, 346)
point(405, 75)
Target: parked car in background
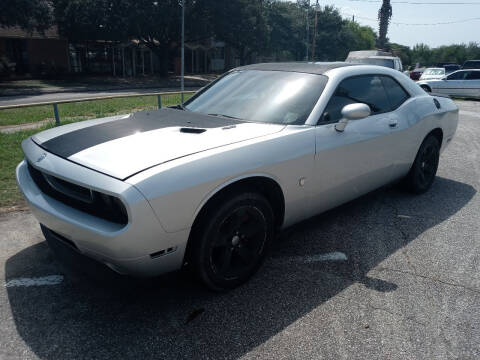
point(449, 68)
point(462, 83)
point(210, 182)
point(374, 57)
point(471, 64)
point(416, 73)
point(432, 74)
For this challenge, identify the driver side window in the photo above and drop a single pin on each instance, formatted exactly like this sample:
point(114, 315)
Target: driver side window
point(367, 89)
point(459, 75)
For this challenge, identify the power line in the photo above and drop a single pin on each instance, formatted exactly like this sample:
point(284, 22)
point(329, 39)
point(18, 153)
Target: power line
point(419, 24)
point(420, 3)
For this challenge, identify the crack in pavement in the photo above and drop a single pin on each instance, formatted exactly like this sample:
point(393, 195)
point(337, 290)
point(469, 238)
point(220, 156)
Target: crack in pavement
point(429, 278)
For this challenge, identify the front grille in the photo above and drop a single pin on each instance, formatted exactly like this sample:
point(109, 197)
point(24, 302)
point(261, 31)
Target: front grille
point(81, 198)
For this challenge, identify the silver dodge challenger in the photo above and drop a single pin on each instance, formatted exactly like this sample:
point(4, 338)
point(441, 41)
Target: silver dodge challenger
point(209, 183)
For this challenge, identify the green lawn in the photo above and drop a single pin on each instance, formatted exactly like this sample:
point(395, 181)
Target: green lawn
point(85, 110)
point(10, 155)
point(10, 144)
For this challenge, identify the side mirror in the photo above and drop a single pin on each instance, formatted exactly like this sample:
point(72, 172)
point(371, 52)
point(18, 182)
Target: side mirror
point(355, 111)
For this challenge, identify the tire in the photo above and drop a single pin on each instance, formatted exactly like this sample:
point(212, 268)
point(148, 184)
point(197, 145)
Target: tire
point(424, 169)
point(232, 240)
point(426, 88)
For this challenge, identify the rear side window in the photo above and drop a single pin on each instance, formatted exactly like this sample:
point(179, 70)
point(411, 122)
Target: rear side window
point(396, 94)
point(473, 75)
point(367, 89)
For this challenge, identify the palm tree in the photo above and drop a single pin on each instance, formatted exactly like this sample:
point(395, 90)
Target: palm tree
point(384, 15)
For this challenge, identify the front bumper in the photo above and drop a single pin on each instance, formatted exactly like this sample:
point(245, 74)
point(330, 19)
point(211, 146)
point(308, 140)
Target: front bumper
point(140, 248)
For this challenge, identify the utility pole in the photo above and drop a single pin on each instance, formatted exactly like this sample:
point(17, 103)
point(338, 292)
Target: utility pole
point(308, 40)
point(315, 32)
point(183, 51)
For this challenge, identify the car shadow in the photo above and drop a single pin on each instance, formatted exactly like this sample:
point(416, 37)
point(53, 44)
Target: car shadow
point(109, 316)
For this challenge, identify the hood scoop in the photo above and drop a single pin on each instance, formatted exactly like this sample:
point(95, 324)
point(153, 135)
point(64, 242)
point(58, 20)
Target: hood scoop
point(191, 130)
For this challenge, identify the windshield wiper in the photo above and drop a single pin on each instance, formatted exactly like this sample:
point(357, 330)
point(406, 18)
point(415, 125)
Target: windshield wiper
point(225, 116)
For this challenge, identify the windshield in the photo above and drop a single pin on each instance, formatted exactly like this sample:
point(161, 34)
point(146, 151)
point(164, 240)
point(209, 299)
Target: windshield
point(373, 61)
point(261, 96)
point(434, 72)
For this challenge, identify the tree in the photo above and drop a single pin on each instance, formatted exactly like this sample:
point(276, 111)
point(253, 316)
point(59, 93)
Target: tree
point(359, 37)
point(89, 20)
point(286, 27)
point(154, 23)
point(422, 54)
point(384, 16)
point(402, 51)
point(30, 15)
point(336, 37)
point(241, 24)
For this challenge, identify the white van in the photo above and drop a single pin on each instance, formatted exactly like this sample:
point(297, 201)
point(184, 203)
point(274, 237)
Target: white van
point(375, 57)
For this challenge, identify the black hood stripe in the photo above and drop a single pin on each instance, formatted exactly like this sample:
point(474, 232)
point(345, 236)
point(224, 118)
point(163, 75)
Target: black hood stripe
point(73, 142)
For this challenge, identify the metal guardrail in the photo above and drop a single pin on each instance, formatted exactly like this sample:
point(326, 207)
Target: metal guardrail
point(56, 103)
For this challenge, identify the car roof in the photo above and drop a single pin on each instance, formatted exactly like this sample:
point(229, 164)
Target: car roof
point(382, 57)
point(318, 68)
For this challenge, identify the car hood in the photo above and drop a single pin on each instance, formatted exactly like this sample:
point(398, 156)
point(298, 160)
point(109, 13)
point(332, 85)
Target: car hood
point(122, 146)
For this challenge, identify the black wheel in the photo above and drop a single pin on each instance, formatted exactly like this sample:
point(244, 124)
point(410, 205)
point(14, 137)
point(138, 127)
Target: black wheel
point(424, 169)
point(233, 240)
point(426, 88)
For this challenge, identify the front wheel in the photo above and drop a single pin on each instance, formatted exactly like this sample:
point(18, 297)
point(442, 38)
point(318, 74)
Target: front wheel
point(424, 169)
point(426, 88)
point(233, 240)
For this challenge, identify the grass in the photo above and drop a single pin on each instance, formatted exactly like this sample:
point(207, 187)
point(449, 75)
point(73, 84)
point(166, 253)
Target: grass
point(10, 155)
point(85, 110)
point(10, 144)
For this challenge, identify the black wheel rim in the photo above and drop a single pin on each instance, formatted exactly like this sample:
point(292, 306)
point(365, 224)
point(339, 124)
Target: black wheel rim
point(238, 243)
point(428, 165)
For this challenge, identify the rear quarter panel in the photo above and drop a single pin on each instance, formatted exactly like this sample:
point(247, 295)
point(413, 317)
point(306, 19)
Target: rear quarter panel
point(430, 118)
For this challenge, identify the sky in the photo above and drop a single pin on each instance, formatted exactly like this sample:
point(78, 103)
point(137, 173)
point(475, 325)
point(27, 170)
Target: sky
point(405, 14)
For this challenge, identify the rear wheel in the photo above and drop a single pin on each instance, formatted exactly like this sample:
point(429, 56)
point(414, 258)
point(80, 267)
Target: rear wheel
point(424, 169)
point(233, 240)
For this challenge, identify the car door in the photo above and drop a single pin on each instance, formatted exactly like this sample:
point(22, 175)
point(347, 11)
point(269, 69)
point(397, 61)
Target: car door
point(363, 156)
point(472, 84)
point(453, 84)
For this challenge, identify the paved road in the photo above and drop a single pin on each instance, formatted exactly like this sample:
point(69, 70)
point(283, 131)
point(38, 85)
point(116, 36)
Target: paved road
point(34, 99)
point(408, 289)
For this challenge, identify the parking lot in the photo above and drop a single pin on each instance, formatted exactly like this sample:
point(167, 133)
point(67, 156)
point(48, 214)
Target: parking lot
point(387, 276)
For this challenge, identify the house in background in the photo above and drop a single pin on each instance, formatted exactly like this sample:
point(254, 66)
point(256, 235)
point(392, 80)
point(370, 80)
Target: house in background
point(34, 54)
point(43, 55)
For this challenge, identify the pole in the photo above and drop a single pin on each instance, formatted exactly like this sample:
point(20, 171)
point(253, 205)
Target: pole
point(314, 40)
point(306, 42)
point(183, 49)
point(57, 117)
point(123, 61)
point(113, 61)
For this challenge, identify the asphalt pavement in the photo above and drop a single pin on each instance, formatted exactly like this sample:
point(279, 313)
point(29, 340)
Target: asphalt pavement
point(387, 276)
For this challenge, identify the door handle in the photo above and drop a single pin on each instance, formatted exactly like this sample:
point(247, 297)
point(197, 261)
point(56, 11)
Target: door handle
point(393, 124)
